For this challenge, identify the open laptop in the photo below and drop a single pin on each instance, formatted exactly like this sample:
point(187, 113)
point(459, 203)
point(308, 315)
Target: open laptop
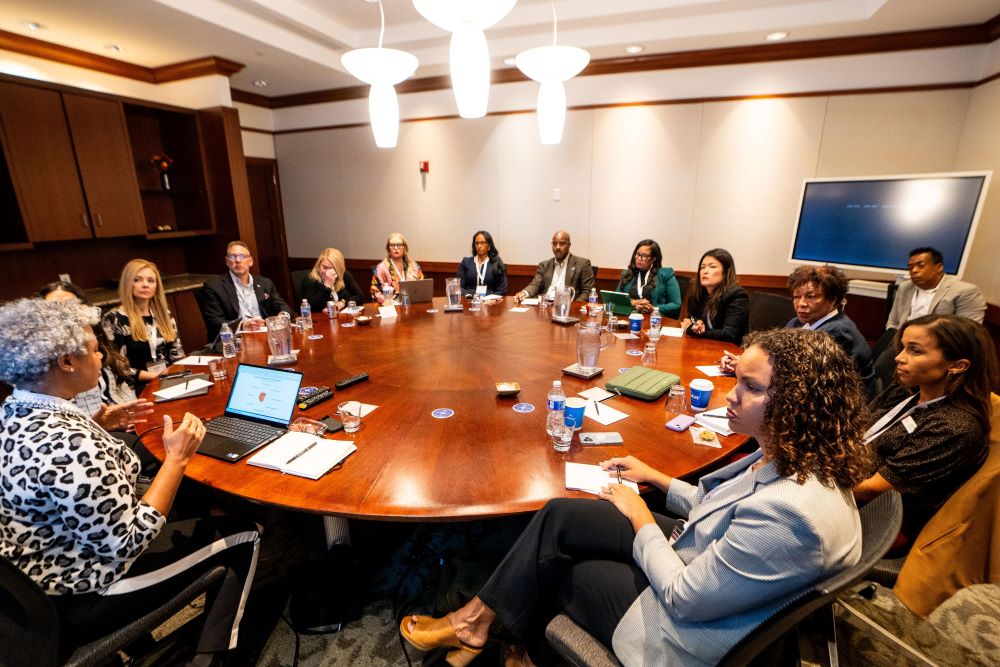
point(619, 302)
point(419, 290)
point(259, 409)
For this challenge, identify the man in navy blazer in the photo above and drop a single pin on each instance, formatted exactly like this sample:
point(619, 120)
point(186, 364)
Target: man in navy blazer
point(930, 291)
point(563, 269)
point(239, 294)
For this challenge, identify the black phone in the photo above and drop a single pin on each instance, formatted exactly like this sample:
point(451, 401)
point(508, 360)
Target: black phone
point(332, 425)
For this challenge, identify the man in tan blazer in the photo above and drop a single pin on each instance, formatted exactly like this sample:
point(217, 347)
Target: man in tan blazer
point(929, 291)
point(563, 270)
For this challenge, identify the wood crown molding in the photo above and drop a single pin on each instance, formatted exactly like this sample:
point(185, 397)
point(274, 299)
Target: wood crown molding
point(37, 48)
point(982, 33)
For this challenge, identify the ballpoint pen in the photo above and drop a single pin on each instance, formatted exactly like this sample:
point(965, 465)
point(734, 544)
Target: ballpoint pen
point(302, 452)
point(618, 470)
point(597, 410)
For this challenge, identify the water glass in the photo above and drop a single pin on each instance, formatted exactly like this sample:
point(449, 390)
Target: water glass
point(676, 399)
point(649, 354)
point(404, 298)
point(238, 342)
point(612, 322)
point(562, 436)
point(218, 369)
point(350, 416)
point(351, 311)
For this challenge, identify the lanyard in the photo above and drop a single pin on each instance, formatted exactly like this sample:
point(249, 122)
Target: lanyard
point(893, 416)
point(639, 283)
point(481, 272)
point(152, 334)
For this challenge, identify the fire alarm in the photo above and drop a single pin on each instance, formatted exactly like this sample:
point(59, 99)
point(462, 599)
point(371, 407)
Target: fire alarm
point(425, 167)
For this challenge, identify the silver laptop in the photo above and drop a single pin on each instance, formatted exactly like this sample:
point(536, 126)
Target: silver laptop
point(419, 290)
point(259, 409)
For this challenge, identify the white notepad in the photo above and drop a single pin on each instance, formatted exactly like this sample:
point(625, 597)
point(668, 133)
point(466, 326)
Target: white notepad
point(303, 454)
point(603, 413)
point(197, 360)
point(181, 389)
point(590, 478)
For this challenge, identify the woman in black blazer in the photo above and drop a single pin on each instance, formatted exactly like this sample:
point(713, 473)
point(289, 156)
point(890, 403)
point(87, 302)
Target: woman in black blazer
point(329, 278)
point(484, 272)
point(717, 307)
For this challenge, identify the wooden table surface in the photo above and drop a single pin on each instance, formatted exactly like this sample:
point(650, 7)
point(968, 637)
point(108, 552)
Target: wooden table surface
point(486, 460)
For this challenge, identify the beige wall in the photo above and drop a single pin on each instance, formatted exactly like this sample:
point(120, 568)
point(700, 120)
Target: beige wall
point(692, 176)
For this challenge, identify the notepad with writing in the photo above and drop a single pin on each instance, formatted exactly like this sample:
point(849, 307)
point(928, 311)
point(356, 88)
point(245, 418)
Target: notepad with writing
point(590, 478)
point(303, 454)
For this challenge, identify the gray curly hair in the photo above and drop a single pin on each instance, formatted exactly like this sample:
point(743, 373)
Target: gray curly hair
point(34, 333)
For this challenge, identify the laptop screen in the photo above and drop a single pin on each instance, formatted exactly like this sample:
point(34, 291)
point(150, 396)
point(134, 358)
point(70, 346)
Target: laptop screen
point(264, 394)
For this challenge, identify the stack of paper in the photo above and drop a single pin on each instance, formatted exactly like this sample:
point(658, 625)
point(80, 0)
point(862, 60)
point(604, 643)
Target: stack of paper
point(590, 478)
point(715, 420)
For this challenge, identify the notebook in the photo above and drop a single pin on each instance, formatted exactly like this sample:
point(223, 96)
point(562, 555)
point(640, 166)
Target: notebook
point(303, 454)
point(419, 290)
point(258, 411)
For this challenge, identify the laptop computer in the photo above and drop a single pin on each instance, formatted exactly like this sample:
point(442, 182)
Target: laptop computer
point(619, 302)
point(259, 409)
point(419, 290)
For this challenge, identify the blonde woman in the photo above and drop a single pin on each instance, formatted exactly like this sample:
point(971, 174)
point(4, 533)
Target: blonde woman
point(329, 280)
point(142, 327)
point(396, 266)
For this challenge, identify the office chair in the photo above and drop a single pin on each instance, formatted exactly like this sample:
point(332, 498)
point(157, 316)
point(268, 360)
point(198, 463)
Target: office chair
point(771, 643)
point(683, 282)
point(297, 277)
point(769, 311)
point(29, 623)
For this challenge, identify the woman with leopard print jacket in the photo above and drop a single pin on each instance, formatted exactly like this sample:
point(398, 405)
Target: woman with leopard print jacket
point(70, 517)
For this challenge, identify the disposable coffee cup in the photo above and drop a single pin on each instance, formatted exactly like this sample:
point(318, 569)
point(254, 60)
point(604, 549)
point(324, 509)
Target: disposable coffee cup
point(635, 322)
point(573, 412)
point(701, 394)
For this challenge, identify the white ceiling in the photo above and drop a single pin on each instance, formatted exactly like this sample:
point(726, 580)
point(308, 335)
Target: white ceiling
point(295, 45)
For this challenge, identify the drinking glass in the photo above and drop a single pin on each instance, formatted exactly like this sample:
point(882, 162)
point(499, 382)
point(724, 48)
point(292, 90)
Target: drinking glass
point(218, 368)
point(676, 400)
point(351, 312)
point(562, 436)
point(649, 354)
point(350, 416)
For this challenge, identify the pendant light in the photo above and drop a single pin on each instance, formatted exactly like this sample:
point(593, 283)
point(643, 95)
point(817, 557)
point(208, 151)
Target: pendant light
point(469, 54)
point(382, 69)
point(551, 66)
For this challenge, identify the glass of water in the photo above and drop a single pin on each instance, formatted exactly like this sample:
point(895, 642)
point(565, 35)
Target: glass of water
point(562, 436)
point(676, 400)
point(350, 416)
point(351, 311)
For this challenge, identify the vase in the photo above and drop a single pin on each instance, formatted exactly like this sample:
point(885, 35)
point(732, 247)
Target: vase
point(164, 180)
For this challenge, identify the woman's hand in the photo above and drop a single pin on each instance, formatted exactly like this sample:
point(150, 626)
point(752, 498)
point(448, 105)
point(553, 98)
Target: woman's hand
point(631, 468)
point(330, 278)
point(642, 305)
point(123, 416)
point(180, 444)
point(628, 503)
point(727, 364)
point(697, 327)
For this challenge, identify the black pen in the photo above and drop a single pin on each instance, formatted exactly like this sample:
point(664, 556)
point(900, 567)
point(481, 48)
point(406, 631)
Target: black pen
point(597, 410)
point(185, 386)
point(302, 452)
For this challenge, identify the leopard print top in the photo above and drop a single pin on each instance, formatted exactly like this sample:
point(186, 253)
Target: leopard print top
point(69, 515)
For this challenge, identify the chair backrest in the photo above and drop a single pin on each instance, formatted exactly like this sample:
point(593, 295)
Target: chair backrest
point(297, 277)
point(683, 282)
point(883, 363)
point(769, 311)
point(29, 624)
point(880, 522)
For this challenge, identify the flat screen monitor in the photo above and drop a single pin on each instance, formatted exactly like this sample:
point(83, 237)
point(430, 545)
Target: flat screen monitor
point(873, 223)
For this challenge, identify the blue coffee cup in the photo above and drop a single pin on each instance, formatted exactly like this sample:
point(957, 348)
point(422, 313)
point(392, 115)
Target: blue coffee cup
point(635, 322)
point(573, 412)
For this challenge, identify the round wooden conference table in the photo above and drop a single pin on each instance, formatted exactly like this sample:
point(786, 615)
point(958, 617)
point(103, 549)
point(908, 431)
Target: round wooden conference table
point(487, 459)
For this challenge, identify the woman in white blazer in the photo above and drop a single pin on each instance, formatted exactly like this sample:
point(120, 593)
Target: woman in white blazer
point(758, 532)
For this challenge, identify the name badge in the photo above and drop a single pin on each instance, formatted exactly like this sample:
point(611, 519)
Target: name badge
point(481, 290)
point(909, 424)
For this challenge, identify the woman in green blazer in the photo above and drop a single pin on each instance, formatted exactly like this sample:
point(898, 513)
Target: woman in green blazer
point(649, 284)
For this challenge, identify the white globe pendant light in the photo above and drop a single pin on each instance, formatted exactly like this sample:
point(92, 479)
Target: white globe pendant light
point(381, 69)
point(469, 54)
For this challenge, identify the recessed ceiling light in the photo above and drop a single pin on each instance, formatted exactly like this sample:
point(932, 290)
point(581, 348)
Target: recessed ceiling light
point(33, 25)
point(776, 36)
point(509, 61)
point(634, 49)
point(117, 48)
point(260, 83)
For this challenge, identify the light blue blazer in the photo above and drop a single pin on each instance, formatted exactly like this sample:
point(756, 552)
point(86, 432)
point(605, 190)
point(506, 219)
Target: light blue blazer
point(750, 545)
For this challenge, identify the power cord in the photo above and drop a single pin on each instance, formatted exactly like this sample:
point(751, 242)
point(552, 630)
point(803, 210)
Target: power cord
point(295, 657)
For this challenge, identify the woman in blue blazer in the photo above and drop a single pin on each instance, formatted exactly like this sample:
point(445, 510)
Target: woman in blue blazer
point(649, 284)
point(483, 272)
point(759, 531)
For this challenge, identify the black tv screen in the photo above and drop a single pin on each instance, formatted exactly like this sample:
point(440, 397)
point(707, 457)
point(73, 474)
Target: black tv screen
point(873, 223)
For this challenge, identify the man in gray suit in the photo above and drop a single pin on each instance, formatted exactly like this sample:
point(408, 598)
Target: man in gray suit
point(563, 270)
point(929, 291)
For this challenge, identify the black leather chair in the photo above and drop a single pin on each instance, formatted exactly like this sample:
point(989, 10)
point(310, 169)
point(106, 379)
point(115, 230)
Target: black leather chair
point(297, 277)
point(683, 282)
point(29, 624)
point(883, 363)
point(773, 642)
point(769, 311)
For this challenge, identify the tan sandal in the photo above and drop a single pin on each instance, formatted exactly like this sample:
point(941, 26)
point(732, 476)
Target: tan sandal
point(429, 633)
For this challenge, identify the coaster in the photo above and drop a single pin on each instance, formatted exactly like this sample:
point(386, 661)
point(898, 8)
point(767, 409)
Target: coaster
point(315, 336)
point(624, 370)
point(634, 353)
point(442, 413)
point(523, 408)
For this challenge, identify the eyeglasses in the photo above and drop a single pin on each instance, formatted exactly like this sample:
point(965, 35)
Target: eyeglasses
point(642, 255)
point(397, 245)
point(237, 257)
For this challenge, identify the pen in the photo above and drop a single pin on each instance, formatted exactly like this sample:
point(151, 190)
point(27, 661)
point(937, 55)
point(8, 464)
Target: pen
point(618, 471)
point(302, 452)
point(597, 410)
point(185, 386)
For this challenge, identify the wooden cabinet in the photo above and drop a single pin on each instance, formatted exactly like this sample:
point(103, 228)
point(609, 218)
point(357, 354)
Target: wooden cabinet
point(70, 165)
point(97, 126)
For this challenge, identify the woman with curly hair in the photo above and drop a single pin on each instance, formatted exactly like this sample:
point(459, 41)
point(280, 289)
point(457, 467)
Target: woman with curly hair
point(930, 430)
point(758, 532)
point(142, 326)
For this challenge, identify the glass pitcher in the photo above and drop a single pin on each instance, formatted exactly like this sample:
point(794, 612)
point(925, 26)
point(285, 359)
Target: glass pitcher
point(279, 337)
point(563, 301)
point(591, 338)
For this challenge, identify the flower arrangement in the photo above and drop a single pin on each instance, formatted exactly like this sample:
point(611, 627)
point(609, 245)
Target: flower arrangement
point(162, 162)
